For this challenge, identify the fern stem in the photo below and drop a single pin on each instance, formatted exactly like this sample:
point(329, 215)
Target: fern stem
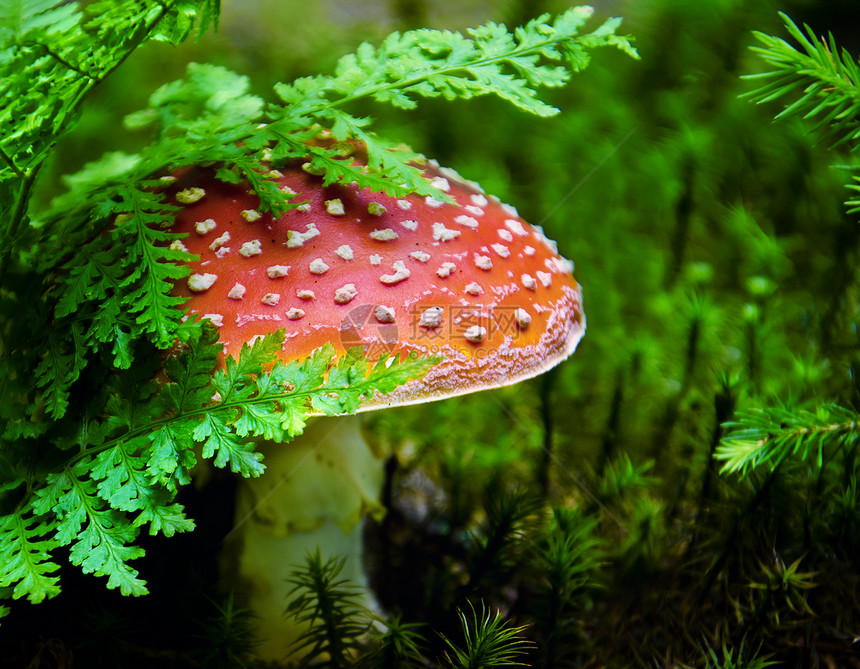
point(16, 221)
point(11, 164)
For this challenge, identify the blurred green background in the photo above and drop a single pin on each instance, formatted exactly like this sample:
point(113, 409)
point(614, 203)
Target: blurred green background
point(719, 272)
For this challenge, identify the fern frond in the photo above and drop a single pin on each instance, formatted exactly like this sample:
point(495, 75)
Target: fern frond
point(24, 557)
point(98, 535)
point(124, 470)
point(431, 63)
point(51, 56)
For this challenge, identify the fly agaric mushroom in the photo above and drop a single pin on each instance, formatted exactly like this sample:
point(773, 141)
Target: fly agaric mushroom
point(471, 282)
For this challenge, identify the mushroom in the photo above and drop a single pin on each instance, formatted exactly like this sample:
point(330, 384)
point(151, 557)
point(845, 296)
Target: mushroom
point(471, 282)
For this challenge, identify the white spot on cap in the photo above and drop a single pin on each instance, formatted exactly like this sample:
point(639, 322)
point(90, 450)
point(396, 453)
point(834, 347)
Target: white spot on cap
point(431, 201)
point(516, 227)
point(251, 215)
point(443, 234)
point(218, 242)
point(384, 314)
point(275, 174)
point(505, 234)
point(375, 259)
point(472, 209)
point(252, 248)
point(376, 209)
point(201, 282)
point(501, 249)
point(304, 207)
point(563, 265)
point(441, 183)
point(511, 211)
point(386, 235)
point(237, 292)
point(431, 318)
point(410, 224)
point(420, 256)
point(216, 319)
point(529, 250)
point(483, 262)
point(297, 239)
point(345, 252)
point(295, 314)
point(545, 278)
point(177, 245)
point(277, 271)
point(167, 178)
point(451, 173)
point(445, 270)
point(286, 190)
point(271, 299)
point(306, 295)
point(317, 266)
point(400, 273)
point(345, 293)
point(474, 289)
point(476, 333)
point(223, 251)
point(479, 200)
point(468, 221)
point(529, 281)
point(335, 207)
point(405, 205)
point(205, 227)
point(190, 195)
point(523, 318)
point(549, 243)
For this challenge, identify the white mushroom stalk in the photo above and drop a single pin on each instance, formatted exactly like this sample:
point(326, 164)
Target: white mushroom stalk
point(314, 496)
point(470, 282)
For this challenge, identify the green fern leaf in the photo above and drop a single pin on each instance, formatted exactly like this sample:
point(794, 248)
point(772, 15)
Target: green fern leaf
point(24, 554)
point(98, 536)
point(220, 441)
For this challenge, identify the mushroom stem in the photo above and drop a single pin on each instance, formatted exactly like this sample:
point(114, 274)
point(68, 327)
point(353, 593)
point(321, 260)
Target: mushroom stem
point(314, 494)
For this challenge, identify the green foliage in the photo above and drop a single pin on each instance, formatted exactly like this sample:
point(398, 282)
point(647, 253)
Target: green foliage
point(827, 77)
point(490, 641)
point(128, 466)
point(720, 281)
point(567, 560)
point(327, 606)
point(24, 565)
point(338, 628)
point(399, 645)
point(765, 437)
point(227, 635)
point(94, 449)
point(728, 658)
point(52, 55)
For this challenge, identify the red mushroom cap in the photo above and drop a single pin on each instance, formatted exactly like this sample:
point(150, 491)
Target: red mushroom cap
point(350, 267)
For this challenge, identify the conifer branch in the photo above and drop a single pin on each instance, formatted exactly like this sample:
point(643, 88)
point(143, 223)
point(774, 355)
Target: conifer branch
point(827, 78)
point(762, 437)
